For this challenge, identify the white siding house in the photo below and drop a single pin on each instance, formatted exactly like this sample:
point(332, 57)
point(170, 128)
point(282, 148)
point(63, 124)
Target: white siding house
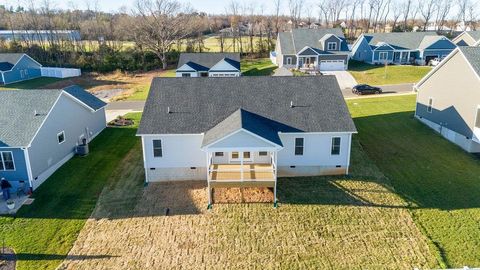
point(245, 132)
point(208, 65)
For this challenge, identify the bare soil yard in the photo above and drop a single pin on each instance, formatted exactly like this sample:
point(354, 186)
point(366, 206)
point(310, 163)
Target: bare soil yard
point(353, 222)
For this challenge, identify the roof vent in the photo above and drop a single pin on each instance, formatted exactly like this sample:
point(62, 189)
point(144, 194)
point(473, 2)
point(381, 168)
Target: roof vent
point(291, 104)
point(168, 110)
point(35, 113)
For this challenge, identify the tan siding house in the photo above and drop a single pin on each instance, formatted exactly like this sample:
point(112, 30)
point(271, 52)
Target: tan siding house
point(449, 98)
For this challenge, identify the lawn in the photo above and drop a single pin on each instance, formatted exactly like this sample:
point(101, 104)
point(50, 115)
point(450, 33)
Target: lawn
point(258, 67)
point(440, 182)
point(44, 232)
point(322, 223)
point(31, 84)
point(381, 75)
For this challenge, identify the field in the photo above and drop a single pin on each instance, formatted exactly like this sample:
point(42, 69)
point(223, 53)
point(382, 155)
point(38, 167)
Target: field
point(43, 233)
point(37, 83)
point(440, 182)
point(381, 75)
point(322, 223)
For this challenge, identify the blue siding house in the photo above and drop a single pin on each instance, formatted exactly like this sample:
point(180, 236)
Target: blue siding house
point(401, 48)
point(41, 129)
point(16, 67)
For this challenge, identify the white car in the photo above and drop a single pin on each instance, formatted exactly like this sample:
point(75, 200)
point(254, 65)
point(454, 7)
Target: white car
point(435, 61)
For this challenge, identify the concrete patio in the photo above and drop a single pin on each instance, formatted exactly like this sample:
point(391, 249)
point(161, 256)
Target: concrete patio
point(19, 201)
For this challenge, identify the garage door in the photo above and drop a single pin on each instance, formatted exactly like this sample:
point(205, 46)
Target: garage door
point(332, 65)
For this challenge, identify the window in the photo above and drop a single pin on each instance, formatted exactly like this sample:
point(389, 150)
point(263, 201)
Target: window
point(219, 154)
point(235, 156)
point(336, 145)
point(299, 146)
point(6, 161)
point(430, 105)
point(157, 148)
point(204, 74)
point(332, 46)
point(246, 155)
point(383, 56)
point(289, 60)
point(186, 75)
point(477, 121)
point(61, 137)
point(263, 154)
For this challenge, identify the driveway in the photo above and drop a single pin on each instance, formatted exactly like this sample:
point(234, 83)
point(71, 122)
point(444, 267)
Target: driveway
point(344, 78)
point(388, 90)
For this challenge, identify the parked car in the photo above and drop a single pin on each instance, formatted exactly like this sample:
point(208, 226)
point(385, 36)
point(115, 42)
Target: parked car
point(363, 89)
point(435, 61)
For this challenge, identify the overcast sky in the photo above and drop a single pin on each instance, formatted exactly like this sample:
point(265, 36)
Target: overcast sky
point(209, 6)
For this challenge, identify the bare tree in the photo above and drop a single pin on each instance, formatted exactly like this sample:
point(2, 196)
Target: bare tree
point(406, 13)
point(277, 5)
point(443, 10)
point(427, 8)
point(296, 8)
point(159, 24)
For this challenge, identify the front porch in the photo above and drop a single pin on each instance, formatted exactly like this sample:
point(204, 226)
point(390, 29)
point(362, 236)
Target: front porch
point(308, 63)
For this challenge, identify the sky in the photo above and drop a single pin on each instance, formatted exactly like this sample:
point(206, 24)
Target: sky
point(208, 6)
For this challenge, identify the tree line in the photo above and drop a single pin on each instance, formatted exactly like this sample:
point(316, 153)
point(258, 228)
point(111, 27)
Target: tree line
point(151, 33)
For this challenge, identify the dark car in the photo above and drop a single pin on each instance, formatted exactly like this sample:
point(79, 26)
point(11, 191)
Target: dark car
point(363, 89)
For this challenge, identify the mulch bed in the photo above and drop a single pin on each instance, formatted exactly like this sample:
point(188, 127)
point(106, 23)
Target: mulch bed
point(7, 259)
point(242, 195)
point(121, 122)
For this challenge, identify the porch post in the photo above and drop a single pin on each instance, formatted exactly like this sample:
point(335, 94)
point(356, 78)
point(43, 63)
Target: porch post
point(241, 165)
point(275, 175)
point(209, 189)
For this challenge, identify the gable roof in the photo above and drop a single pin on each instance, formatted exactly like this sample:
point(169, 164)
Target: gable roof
point(472, 54)
point(86, 97)
point(402, 40)
point(254, 123)
point(197, 105)
point(206, 60)
point(22, 112)
point(474, 34)
point(294, 41)
point(8, 60)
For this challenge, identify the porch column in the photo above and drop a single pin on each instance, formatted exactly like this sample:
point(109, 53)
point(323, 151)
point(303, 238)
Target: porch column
point(241, 165)
point(275, 175)
point(209, 189)
point(408, 59)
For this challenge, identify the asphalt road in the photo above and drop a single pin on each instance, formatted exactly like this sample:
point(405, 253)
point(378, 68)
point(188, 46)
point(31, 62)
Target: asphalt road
point(137, 106)
point(394, 89)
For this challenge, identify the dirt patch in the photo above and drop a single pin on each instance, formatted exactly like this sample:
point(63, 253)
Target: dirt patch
point(8, 259)
point(242, 195)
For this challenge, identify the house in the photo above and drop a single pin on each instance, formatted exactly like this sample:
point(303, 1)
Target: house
point(401, 48)
point(312, 49)
point(208, 65)
point(245, 131)
point(16, 67)
point(468, 38)
point(40, 35)
point(448, 98)
point(41, 129)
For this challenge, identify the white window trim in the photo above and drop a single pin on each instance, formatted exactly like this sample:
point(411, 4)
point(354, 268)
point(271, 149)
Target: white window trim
point(153, 148)
point(295, 146)
point(3, 162)
point(430, 107)
point(339, 146)
point(328, 46)
point(380, 58)
point(64, 138)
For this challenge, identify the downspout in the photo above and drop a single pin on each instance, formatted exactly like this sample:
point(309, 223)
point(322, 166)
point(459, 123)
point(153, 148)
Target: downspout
point(29, 167)
point(349, 152)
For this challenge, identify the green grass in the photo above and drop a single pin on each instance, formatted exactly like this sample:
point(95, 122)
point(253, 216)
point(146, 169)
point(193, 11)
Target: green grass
point(43, 233)
point(439, 180)
point(381, 75)
point(31, 84)
point(258, 67)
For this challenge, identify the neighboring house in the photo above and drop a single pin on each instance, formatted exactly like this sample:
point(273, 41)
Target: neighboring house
point(468, 38)
point(209, 65)
point(312, 49)
point(16, 67)
point(41, 129)
point(240, 132)
point(40, 35)
point(449, 98)
point(401, 48)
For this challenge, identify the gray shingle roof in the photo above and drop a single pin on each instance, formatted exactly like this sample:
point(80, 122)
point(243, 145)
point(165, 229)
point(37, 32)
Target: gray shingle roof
point(206, 59)
point(405, 40)
point(84, 96)
point(474, 34)
point(293, 42)
point(8, 60)
point(242, 119)
point(473, 56)
point(17, 114)
point(199, 104)
point(22, 112)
